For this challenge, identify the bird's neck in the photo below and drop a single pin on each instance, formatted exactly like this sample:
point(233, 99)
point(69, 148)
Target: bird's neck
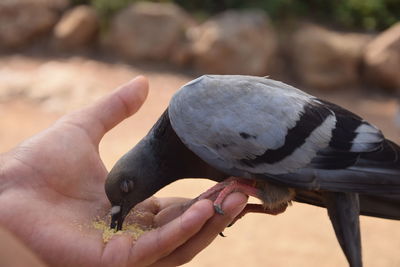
point(175, 160)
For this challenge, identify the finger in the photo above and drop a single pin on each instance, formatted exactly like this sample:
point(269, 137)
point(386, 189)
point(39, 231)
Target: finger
point(158, 204)
point(171, 212)
point(103, 115)
point(151, 204)
point(232, 206)
point(160, 242)
point(163, 210)
point(166, 202)
point(116, 251)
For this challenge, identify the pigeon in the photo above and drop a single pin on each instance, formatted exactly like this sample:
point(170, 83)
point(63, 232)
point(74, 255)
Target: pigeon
point(270, 140)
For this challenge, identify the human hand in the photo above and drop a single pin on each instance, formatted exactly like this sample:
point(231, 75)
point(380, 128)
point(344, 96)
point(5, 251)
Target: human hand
point(54, 181)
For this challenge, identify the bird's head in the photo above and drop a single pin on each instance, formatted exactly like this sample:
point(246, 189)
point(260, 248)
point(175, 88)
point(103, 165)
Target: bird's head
point(158, 160)
point(122, 192)
point(133, 179)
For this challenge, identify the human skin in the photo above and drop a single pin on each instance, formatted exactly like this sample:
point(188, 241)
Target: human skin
point(52, 188)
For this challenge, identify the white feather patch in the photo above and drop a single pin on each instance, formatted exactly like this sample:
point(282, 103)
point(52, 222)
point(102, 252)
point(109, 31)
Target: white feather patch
point(366, 139)
point(115, 209)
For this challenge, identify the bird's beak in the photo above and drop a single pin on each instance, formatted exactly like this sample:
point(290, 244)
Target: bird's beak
point(117, 218)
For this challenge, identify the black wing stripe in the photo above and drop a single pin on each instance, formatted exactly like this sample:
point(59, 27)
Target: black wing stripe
point(311, 118)
point(330, 159)
point(343, 152)
point(345, 129)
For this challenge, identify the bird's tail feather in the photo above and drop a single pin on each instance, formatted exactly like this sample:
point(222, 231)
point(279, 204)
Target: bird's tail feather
point(343, 210)
point(381, 206)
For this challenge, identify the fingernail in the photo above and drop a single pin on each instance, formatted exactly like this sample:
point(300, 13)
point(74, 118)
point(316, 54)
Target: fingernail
point(139, 77)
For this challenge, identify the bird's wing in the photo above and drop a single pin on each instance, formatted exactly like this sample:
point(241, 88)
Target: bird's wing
point(256, 127)
point(373, 173)
point(358, 159)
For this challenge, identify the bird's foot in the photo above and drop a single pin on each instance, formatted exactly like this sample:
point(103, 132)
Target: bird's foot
point(220, 191)
point(234, 184)
point(275, 199)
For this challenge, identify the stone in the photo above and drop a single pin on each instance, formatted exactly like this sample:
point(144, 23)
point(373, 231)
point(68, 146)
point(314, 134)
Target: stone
point(148, 30)
point(57, 5)
point(234, 42)
point(23, 20)
point(57, 85)
point(77, 27)
point(326, 59)
point(382, 59)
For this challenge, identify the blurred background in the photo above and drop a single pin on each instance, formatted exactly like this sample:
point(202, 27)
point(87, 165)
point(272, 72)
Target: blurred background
point(59, 55)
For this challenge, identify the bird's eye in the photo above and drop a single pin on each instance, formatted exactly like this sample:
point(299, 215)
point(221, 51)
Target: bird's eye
point(126, 185)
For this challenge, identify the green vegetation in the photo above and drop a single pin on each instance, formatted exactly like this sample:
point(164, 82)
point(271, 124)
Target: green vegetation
point(347, 14)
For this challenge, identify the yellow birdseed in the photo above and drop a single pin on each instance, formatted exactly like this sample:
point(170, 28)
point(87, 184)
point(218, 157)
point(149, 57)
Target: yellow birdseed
point(134, 230)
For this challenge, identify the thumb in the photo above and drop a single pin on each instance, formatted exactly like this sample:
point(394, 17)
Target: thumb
point(100, 117)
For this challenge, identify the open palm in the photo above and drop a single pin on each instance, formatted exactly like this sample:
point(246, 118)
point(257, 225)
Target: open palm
point(52, 188)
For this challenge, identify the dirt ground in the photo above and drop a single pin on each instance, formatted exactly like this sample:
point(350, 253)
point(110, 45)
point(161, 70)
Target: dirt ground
point(302, 236)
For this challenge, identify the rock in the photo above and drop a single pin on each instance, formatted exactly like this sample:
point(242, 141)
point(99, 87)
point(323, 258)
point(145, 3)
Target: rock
point(148, 30)
point(77, 27)
point(234, 42)
point(382, 59)
point(57, 5)
point(326, 59)
point(23, 20)
point(57, 85)
point(182, 55)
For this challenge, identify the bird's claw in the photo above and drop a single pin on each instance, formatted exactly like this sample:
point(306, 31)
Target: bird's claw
point(218, 209)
